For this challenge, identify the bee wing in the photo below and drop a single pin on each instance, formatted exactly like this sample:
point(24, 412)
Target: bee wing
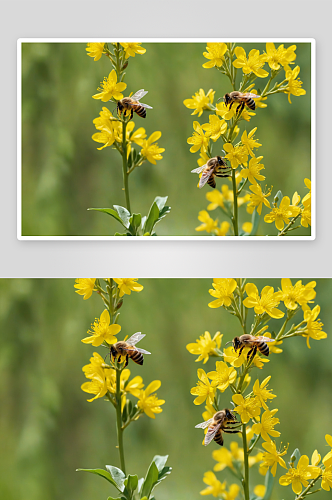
point(139, 94)
point(211, 433)
point(145, 106)
point(205, 177)
point(143, 351)
point(135, 338)
point(198, 170)
point(204, 425)
point(253, 96)
point(265, 339)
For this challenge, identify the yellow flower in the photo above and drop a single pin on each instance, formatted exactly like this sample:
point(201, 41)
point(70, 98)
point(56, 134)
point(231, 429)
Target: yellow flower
point(205, 346)
point(215, 487)
point(271, 458)
point(232, 493)
point(280, 56)
point(110, 88)
point(96, 386)
point(204, 390)
point(104, 137)
point(128, 285)
point(300, 294)
point(236, 155)
point(252, 64)
point(132, 387)
point(266, 425)
point(132, 48)
point(257, 199)
point(259, 490)
point(148, 402)
point(215, 52)
point(95, 50)
point(103, 121)
point(198, 140)
point(300, 475)
point(85, 287)
point(313, 328)
point(262, 393)
point(259, 361)
point(199, 102)
point(95, 366)
point(215, 127)
point(223, 377)
point(223, 291)
point(266, 303)
point(247, 407)
point(138, 135)
point(233, 358)
point(294, 85)
point(224, 111)
point(216, 199)
point(224, 459)
point(249, 142)
point(223, 229)
point(247, 227)
point(281, 215)
point(327, 474)
point(208, 224)
point(151, 151)
point(328, 439)
point(252, 172)
point(102, 331)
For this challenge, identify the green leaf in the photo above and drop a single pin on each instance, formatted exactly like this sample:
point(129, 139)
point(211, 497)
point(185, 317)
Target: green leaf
point(103, 473)
point(160, 202)
point(295, 457)
point(163, 213)
point(140, 484)
point(123, 214)
point(150, 480)
point(135, 222)
point(122, 234)
point(269, 479)
point(117, 475)
point(255, 221)
point(131, 484)
point(159, 460)
point(118, 498)
point(278, 197)
point(111, 212)
point(152, 218)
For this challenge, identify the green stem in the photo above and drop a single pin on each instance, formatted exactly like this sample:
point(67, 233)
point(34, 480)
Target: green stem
point(253, 444)
point(235, 207)
point(286, 228)
point(308, 488)
point(245, 481)
point(119, 421)
point(124, 164)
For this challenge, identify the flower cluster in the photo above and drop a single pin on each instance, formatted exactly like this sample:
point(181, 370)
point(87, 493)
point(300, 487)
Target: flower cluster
point(224, 120)
point(257, 421)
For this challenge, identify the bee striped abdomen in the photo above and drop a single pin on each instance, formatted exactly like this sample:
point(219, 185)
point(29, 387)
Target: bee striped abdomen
point(211, 182)
point(218, 438)
point(137, 357)
point(140, 111)
point(263, 348)
point(251, 103)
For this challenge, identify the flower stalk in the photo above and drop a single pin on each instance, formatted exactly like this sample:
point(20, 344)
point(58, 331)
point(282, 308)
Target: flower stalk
point(119, 420)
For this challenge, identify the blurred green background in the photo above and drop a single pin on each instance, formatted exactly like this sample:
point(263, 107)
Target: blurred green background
point(64, 173)
point(48, 429)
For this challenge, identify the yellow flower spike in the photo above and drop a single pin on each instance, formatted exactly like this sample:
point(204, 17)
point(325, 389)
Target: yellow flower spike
point(294, 85)
point(271, 458)
point(247, 407)
point(313, 328)
point(102, 331)
point(200, 102)
point(110, 88)
point(257, 199)
point(208, 224)
point(300, 475)
point(128, 285)
point(95, 50)
point(262, 393)
point(85, 287)
point(252, 64)
point(215, 54)
point(132, 48)
point(204, 390)
point(266, 303)
point(223, 376)
point(215, 487)
point(148, 402)
point(281, 215)
point(198, 140)
point(223, 291)
point(266, 426)
point(205, 346)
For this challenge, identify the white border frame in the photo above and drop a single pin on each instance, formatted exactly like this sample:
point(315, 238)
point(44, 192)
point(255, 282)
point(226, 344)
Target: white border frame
point(312, 41)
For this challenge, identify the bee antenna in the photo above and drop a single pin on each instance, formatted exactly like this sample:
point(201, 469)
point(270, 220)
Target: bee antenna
point(219, 99)
point(230, 342)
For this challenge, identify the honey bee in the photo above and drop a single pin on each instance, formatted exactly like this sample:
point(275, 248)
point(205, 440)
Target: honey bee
point(215, 167)
point(129, 350)
point(132, 103)
point(246, 99)
point(217, 425)
point(239, 343)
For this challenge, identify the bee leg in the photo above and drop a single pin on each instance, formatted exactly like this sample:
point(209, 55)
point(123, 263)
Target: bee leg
point(131, 114)
point(241, 349)
point(231, 104)
point(230, 431)
point(127, 361)
point(119, 358)
point(253, 353)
